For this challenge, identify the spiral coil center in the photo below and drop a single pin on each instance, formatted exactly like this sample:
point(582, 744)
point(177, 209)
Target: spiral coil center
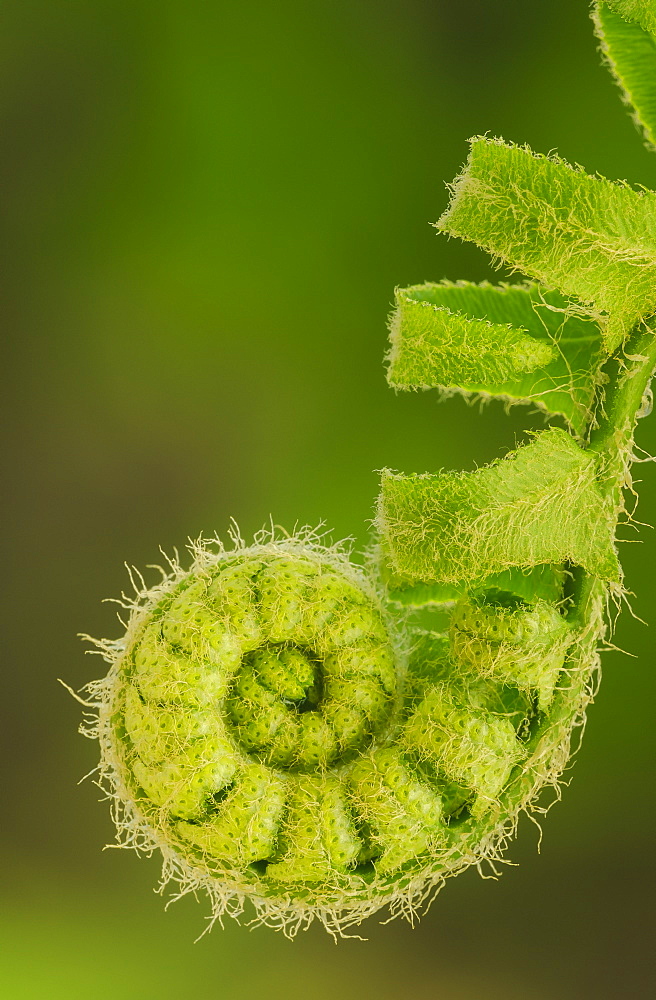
point(293, 708)
point(271, 733)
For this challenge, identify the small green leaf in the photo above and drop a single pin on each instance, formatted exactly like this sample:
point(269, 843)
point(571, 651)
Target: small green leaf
point(544, 581)
point(586, 236)
point(630, 53)
point(641, 11)
point(520, 342)
point(540, 504)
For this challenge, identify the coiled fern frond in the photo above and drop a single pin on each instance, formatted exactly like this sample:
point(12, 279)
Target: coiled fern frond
point(273, 722)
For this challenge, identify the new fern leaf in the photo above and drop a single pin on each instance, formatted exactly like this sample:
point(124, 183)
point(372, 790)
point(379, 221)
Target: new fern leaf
point(629, 48)
point(518, 342)
point(540, 504)
point(273, 720)
point(587, 237)
point(641, 12)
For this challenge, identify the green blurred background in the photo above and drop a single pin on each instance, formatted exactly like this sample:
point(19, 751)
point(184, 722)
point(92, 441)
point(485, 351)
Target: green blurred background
point(206, 207)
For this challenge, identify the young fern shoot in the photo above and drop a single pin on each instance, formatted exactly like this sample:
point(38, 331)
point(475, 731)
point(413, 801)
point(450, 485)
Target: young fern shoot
point(272, 720)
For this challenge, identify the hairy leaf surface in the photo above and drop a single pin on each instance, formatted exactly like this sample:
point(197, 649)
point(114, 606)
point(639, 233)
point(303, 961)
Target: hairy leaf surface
point(540, 504)
point(544, 582)
point(585, 236)
point(641, 11)
point(630, 51)
point(520, 342)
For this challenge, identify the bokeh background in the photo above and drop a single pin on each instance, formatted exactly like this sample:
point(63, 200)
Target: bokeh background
point(205, 209)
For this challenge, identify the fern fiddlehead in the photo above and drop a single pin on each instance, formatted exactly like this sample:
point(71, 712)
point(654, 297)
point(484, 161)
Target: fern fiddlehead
point(272, 720)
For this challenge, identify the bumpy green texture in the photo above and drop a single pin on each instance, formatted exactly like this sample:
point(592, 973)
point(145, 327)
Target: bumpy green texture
point(511, 641)
point(541, 504)
point(585, 236)
point(241, 680)
point(519, 342)
point(627, 32)
point(268, 728)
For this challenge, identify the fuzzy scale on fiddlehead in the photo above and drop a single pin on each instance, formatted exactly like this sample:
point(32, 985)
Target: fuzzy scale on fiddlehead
point(274, 721)
point(266, 726)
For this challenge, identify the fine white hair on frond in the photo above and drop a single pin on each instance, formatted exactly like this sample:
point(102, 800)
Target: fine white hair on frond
point(347, 904)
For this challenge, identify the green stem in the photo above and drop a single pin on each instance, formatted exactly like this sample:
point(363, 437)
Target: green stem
point(629, 379)
point(629, 374)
